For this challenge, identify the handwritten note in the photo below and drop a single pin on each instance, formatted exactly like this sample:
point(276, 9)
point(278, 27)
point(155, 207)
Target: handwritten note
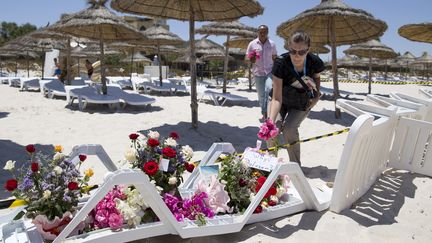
point(259, 161)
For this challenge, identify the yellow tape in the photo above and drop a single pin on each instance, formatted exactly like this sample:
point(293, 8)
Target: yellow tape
point(309, 139)
point(381, 82)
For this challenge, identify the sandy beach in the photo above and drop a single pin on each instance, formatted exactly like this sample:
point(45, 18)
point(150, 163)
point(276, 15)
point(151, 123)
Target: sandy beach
point(398, 208)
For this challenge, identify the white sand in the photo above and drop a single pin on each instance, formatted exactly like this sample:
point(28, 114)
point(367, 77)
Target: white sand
point(402, 215)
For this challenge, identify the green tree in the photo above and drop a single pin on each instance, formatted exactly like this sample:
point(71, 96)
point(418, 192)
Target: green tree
point(10, 31)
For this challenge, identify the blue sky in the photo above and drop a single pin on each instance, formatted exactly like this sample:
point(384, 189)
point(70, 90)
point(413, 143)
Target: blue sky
point(394, 13)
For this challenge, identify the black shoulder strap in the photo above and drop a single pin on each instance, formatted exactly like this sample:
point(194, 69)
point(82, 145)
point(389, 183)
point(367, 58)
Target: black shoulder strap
point(297, 76)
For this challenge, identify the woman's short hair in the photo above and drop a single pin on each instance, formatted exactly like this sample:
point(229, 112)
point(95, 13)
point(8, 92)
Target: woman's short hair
point(300, 36)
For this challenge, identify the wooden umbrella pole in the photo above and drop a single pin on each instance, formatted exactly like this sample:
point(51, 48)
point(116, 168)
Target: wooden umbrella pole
point(194, 102)
point(28, 65)
point(334, 66)
point(226, 65)
point(370, 74)
point(385, 75)
point(102, 70)
point(160, 64)
point(68, 71)
point(43, 62)
point(132, 61)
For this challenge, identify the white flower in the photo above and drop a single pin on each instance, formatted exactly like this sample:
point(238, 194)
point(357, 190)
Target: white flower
point(187, 152)
point(170, 142)
point(159, 189)
point(46, 194)
point(153, 134)
point(10, 165)
point(274, 198)
point(252, 197)
point(280, 191)
point(59, 156)
point(172, 180)
point(130, 155)
point(58, 170)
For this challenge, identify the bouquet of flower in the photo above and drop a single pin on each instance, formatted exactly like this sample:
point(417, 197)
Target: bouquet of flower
point(243, 182)
point(50, 186)
point(254, 54)
point(163, 160)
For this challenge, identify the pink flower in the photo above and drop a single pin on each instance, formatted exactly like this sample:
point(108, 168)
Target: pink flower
point(218, 198)
point(268, 130)
point(115, 221)
point(253, 54)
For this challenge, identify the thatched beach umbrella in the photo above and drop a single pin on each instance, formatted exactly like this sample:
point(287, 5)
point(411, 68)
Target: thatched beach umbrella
point(47, 33)
point(132, 47)
point(234, 28)
point(426, 61)
point(406, 59)
point(137, 57)
point(24, 44)
point(417, 32)
point(191, 10)
point(158, 35)
point(371, 49)
point(334, 23)
point(186, 59)
point(97, 22)
point(16, 52)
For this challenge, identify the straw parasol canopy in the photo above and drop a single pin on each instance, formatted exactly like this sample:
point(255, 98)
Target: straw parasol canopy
point(228, 29)
point(371, 49)
point(191, 10)
point(137, 57)
point(417, 32)
point(97, 22)
point(186, 59)
point(238, 42)
point(334, 23)
point(426, 60)
point(158, 35)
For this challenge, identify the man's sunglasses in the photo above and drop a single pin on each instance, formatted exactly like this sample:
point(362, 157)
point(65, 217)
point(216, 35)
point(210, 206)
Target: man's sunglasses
point(300, 52)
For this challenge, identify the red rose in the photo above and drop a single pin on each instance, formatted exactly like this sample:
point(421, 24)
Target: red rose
point(82, 157)
point(272, 203)
point(34, 166)
point(133, 136)
point(152, 142)
point(73, 185)
point(189, 167)
point(272, 191)
point(169, 152)
point(261, 180)
point(174, 135)
point(151, 168)
point(30, 148)
point(258, 209)
point(242, 182)
point(11, 185)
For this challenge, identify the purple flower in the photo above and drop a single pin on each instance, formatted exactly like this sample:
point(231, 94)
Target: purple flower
point(26, 184)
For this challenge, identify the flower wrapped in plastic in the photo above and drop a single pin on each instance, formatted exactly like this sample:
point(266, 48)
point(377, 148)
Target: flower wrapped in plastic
point(50, 186)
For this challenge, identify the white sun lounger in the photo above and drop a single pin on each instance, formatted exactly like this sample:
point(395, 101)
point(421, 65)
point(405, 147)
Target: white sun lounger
point(90, 95)
point(29, 83)
point(220, 99)
point(130, 98)
point(426, 102)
